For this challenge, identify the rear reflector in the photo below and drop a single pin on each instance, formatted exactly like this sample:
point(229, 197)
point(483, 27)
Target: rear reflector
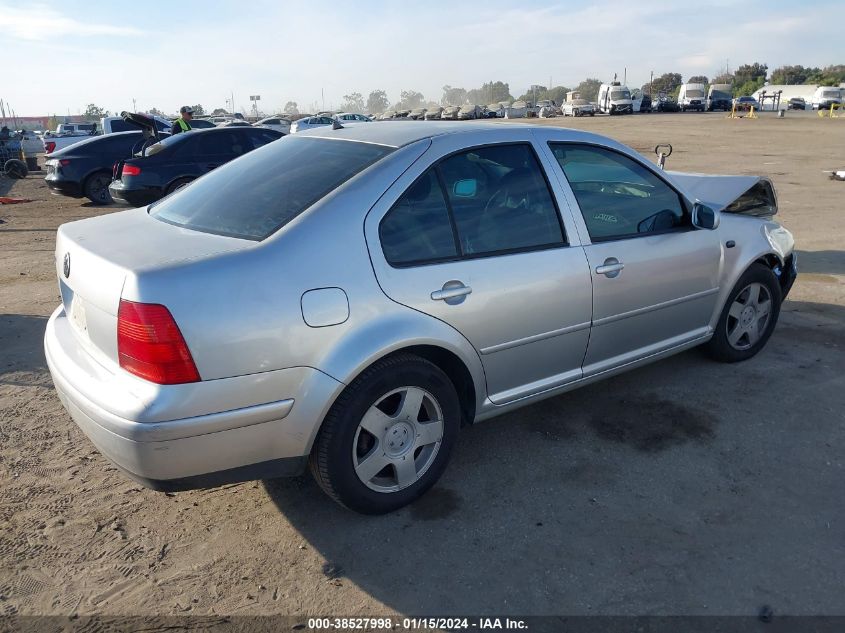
point(49, 146)
point(130, 170)
point(150, 345)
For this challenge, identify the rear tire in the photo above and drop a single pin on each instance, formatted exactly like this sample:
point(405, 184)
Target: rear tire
point(748, 317)
point(387, 438)
point(96, 188)
point(15, 168)
point(177, 184)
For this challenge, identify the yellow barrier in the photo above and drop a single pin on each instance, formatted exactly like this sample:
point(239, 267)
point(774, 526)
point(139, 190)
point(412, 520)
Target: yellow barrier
point(733, 115)
point(831, 113)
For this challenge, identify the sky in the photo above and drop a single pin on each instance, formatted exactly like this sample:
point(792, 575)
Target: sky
point(61, 56)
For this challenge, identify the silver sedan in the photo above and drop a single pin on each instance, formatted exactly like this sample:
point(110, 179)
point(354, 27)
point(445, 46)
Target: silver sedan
point(352, 318)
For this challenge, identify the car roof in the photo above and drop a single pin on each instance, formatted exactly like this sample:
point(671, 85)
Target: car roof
point(400, 133)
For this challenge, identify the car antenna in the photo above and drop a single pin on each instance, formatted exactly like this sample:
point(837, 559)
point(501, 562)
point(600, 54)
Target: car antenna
point(336, 125)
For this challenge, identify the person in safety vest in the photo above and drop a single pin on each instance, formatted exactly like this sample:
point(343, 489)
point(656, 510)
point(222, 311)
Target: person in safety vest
point(183, 123)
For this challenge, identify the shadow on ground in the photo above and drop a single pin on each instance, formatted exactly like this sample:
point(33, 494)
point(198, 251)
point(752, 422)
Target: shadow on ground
point(821, 262)
point(21, 347)
point(661, 487)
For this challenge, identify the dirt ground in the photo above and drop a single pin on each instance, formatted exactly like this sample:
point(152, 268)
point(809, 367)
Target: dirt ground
point(686, 487)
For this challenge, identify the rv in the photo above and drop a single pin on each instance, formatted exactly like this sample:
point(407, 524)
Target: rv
point(719, 97)
point(614, 98)
point(826, 96)
point(691, 97)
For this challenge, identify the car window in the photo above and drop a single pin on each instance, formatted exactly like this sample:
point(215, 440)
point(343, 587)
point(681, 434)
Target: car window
point(275, 184)
point(500, 200)
point(262, 137)
point(224, 142)
point(418, 229)
point(619, 197)
point(491, 200)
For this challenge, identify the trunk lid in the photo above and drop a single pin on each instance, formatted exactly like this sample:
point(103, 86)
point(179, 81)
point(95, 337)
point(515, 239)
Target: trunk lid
point(94, 258)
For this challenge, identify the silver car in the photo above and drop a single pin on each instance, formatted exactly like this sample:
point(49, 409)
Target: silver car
point(351, 318)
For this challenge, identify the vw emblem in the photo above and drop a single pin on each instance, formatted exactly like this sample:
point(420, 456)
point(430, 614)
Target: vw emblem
point(66, 267)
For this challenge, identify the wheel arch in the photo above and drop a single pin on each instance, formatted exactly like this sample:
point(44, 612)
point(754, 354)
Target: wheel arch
point(411, 332)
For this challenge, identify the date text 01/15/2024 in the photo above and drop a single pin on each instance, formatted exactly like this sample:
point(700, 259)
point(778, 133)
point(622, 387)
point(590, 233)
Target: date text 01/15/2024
point(415, 623)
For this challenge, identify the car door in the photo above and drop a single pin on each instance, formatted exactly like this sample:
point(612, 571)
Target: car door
point(655, 277)
point(476, 240)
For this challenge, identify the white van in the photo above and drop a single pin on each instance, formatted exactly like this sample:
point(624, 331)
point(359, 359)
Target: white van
point(826, 96)
point(692, 97)
point(614, 98)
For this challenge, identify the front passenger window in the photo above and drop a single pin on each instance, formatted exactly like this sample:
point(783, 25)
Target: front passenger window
point(619, 198)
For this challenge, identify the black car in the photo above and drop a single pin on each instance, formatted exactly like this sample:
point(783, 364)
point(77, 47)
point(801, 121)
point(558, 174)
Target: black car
point(666, 104)
point(796, 103)
point(719, 101)
point(645, 104)
point(181, 158)
point(201, 124)
point(84, 169)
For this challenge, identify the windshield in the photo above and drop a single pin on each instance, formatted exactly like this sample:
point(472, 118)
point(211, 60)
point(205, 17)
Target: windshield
point(718, 94)
point(274, 184)
point(695, 94)
point(620, 93)
point(830, 94)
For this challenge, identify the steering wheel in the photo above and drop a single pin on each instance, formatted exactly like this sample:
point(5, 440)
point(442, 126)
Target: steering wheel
point(503, 191)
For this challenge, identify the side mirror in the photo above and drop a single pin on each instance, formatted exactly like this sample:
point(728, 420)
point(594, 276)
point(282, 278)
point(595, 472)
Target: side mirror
point(704, 217)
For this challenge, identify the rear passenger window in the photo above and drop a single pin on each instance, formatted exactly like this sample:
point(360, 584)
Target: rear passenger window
point(417, 229)
point(619, 198)
point(485, 201)
point(262, 137)
point(223, 143)
point(500, 200)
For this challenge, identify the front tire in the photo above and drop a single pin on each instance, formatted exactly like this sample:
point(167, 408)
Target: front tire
point(748, 317)
point(388, 437)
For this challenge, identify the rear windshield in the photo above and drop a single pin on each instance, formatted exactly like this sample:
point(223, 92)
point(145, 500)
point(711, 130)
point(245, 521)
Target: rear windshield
point(164, 144)
point(254, 196)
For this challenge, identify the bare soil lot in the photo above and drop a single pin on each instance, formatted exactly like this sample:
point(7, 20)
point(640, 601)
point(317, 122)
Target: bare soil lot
point(687, 487)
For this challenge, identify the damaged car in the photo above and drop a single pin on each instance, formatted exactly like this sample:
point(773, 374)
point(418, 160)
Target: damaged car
point(351, 319)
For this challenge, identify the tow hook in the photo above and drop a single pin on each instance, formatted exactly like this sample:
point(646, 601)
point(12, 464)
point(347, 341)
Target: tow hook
point(661, 155)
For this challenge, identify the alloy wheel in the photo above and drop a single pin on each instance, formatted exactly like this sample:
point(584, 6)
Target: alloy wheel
point(749, 316)
point(398, 439)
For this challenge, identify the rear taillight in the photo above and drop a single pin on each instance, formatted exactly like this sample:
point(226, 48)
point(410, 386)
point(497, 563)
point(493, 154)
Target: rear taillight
point(150, 345)
point(130, 170)
point(49, 146)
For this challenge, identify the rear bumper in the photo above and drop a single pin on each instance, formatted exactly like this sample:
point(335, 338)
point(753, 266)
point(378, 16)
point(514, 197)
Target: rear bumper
point(69, 188)
point(139, 197)
point(176, 437)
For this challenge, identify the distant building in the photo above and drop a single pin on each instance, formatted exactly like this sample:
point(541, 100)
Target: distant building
point(28, 122)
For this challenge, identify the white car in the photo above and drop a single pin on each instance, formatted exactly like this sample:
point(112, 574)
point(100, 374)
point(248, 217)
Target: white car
point(433, 114)
point(280, 124)
point(578, 107)
point(310, 122)
point(352, 117)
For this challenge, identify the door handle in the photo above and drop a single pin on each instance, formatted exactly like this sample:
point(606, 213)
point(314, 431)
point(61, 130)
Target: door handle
point(450, 291)
point(611, 268)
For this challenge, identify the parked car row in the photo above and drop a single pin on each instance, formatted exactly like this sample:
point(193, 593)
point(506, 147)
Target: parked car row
point(137, 168)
